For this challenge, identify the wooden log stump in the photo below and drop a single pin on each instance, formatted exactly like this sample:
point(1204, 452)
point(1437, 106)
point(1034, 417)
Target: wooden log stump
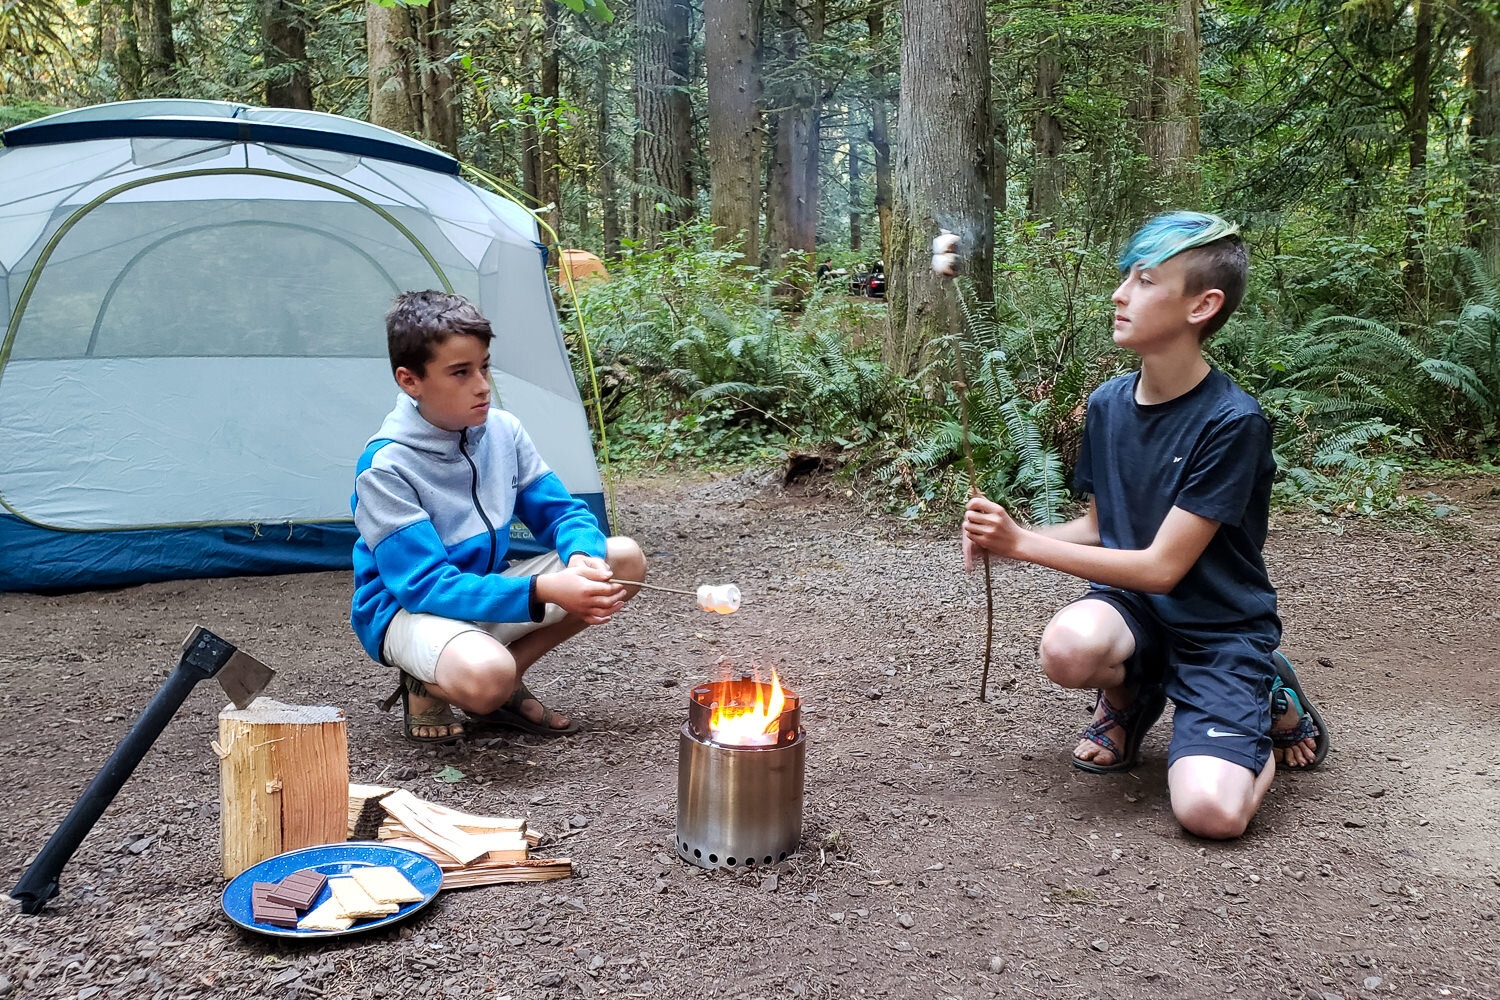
point(283, 780)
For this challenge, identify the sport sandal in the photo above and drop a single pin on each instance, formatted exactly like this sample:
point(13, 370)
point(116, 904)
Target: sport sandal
point(432, 718)
point(1286, 692)
point(1136, 719)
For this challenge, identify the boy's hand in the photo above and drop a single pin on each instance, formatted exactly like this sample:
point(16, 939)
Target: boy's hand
point(987, 526)
point(590, 566)
point(583, 590)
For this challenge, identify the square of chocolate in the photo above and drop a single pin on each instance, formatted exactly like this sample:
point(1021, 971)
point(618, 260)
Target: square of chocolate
point(275, 914)
point(299, 889)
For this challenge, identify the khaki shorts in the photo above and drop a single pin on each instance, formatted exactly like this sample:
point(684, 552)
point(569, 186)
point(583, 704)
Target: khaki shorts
point(414, 642)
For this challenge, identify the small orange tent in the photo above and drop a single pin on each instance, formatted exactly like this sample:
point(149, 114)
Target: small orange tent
point(583, 267)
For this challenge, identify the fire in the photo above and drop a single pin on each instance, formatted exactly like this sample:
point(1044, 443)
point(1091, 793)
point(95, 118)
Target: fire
point(748, 725)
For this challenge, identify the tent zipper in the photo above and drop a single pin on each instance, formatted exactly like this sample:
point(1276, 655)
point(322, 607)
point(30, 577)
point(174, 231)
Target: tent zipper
point(463, 440)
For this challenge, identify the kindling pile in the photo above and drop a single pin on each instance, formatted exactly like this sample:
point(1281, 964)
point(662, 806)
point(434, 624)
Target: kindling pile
point(471, 850)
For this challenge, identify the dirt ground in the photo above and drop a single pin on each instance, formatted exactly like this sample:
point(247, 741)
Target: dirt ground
point(948, 848)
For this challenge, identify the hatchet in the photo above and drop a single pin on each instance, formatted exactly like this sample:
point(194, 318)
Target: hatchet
point(204, 655)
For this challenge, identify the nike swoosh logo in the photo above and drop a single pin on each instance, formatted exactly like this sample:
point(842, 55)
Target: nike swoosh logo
point(1214, 732)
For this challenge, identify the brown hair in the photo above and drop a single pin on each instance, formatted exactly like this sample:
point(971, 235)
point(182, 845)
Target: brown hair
point(419, 321)
point(1223, 264)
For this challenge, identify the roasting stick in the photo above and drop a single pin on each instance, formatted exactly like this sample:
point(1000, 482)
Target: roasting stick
point(652, 586)
point(945, 265)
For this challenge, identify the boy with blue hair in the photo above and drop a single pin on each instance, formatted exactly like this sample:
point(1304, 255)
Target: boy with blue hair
point(1176, 460)
point(434, 493)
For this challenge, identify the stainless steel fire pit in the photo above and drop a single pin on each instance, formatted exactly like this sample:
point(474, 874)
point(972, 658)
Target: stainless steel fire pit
point(739, 805)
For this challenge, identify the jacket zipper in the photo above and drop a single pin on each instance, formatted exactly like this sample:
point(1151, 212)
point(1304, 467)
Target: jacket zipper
point(463, 440)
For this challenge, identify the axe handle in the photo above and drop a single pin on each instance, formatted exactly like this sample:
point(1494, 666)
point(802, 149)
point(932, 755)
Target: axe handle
point(39, 884)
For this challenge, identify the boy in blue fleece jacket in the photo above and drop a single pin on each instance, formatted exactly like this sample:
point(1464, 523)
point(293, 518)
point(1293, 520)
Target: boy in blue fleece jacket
point(434, 494)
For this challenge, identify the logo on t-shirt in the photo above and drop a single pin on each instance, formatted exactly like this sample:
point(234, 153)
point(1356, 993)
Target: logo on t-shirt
point(1176, 459)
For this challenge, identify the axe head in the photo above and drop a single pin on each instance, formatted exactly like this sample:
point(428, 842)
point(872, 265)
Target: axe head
point(241, 675)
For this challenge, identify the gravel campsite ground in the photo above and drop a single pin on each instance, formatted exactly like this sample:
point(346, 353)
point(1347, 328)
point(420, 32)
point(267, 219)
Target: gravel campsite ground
point(948, 848)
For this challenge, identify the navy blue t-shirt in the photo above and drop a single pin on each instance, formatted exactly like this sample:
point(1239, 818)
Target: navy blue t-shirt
point(1209, 452)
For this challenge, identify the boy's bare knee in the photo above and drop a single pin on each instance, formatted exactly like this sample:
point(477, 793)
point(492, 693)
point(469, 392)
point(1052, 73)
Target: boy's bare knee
point(625, 557)
point(477, 672)
point(1068, 659)
point(1211, 818)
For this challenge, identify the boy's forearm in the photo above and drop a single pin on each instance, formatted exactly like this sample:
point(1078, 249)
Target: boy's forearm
point(1080, 531)
point(1129, 569)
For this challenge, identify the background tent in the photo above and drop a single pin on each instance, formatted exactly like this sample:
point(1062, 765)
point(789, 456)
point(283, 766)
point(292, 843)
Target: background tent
point(194, 350)
point(584, 267)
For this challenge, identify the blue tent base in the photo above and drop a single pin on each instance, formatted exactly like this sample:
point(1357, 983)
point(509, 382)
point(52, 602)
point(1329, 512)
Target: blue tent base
point(33, 558)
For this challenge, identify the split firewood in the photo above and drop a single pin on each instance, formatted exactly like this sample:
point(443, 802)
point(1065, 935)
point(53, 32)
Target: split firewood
point(534, 870)
point(498, 846)
point(365, 813)
point(432, 829)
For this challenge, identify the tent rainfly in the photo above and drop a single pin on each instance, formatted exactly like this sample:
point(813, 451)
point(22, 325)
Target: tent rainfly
point(194, 350)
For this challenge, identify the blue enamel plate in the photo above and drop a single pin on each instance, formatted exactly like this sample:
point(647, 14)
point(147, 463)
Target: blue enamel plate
point(331, 860)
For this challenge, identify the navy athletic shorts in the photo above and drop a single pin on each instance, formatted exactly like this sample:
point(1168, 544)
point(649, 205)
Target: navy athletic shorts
point(1220, 682)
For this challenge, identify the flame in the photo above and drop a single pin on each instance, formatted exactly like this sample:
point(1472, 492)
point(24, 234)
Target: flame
point(747, 725)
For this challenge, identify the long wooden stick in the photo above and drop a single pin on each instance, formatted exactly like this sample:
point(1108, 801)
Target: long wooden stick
point(652, 586)
point(961, 387)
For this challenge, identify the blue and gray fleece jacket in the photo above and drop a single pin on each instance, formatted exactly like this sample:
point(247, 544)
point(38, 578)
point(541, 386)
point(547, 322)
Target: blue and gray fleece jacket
point(433, 509)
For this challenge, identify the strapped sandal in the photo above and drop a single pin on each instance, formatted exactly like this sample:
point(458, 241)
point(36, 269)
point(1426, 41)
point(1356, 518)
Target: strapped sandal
point(1136, 719)
point(1286, 692)
point(433, 717)
point(509, 716)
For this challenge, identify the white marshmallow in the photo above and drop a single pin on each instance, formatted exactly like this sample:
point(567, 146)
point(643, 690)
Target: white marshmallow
point(945, 264)
point(947, 243)
point(723, 599)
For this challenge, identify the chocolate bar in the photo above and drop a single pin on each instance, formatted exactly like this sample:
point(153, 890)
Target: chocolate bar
point(266, 912)
point(297, 890)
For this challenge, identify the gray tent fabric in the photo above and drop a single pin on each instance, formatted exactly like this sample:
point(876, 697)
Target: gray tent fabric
point(194, 331)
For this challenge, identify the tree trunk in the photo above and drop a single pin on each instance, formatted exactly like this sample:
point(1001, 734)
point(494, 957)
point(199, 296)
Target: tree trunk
point(1172, 125)
point(662, 107)
point(394, 96)
point(1047, 134)
point(284, 34)
point(607, 197)
point(126, 52)
point(731, 32)
point(1416, 130)
point(856, 234)
point(550, 180)
point(1484, 135)
point(792, 227)
point(159, 52)
point(439, 95)
point(880, 140)
point(942, 172)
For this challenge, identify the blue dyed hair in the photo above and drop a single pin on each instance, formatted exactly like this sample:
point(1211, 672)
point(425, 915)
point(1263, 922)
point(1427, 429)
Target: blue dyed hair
point(1220, 261)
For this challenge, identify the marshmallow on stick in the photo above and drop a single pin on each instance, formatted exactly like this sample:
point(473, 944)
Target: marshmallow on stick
point(725, 599)
point(945, 254)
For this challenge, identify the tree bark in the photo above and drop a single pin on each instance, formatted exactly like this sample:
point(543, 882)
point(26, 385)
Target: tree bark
point(731, 32)
point(880, 140)
point(1484, 135)
point(1416, 130)
point(943, 151)
point(1171, 130)
point(158, 51)
point(792, 227)
point(284, 36)
point(856, 232)
point(439, 107)
point(127, 53)
point(394, 96)
point(1047, 134)
point(609, 204)
point(664, 112)
point(550, 180)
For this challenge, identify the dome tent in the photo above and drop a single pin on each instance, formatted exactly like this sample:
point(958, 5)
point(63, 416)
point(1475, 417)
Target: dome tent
point(194, 351)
